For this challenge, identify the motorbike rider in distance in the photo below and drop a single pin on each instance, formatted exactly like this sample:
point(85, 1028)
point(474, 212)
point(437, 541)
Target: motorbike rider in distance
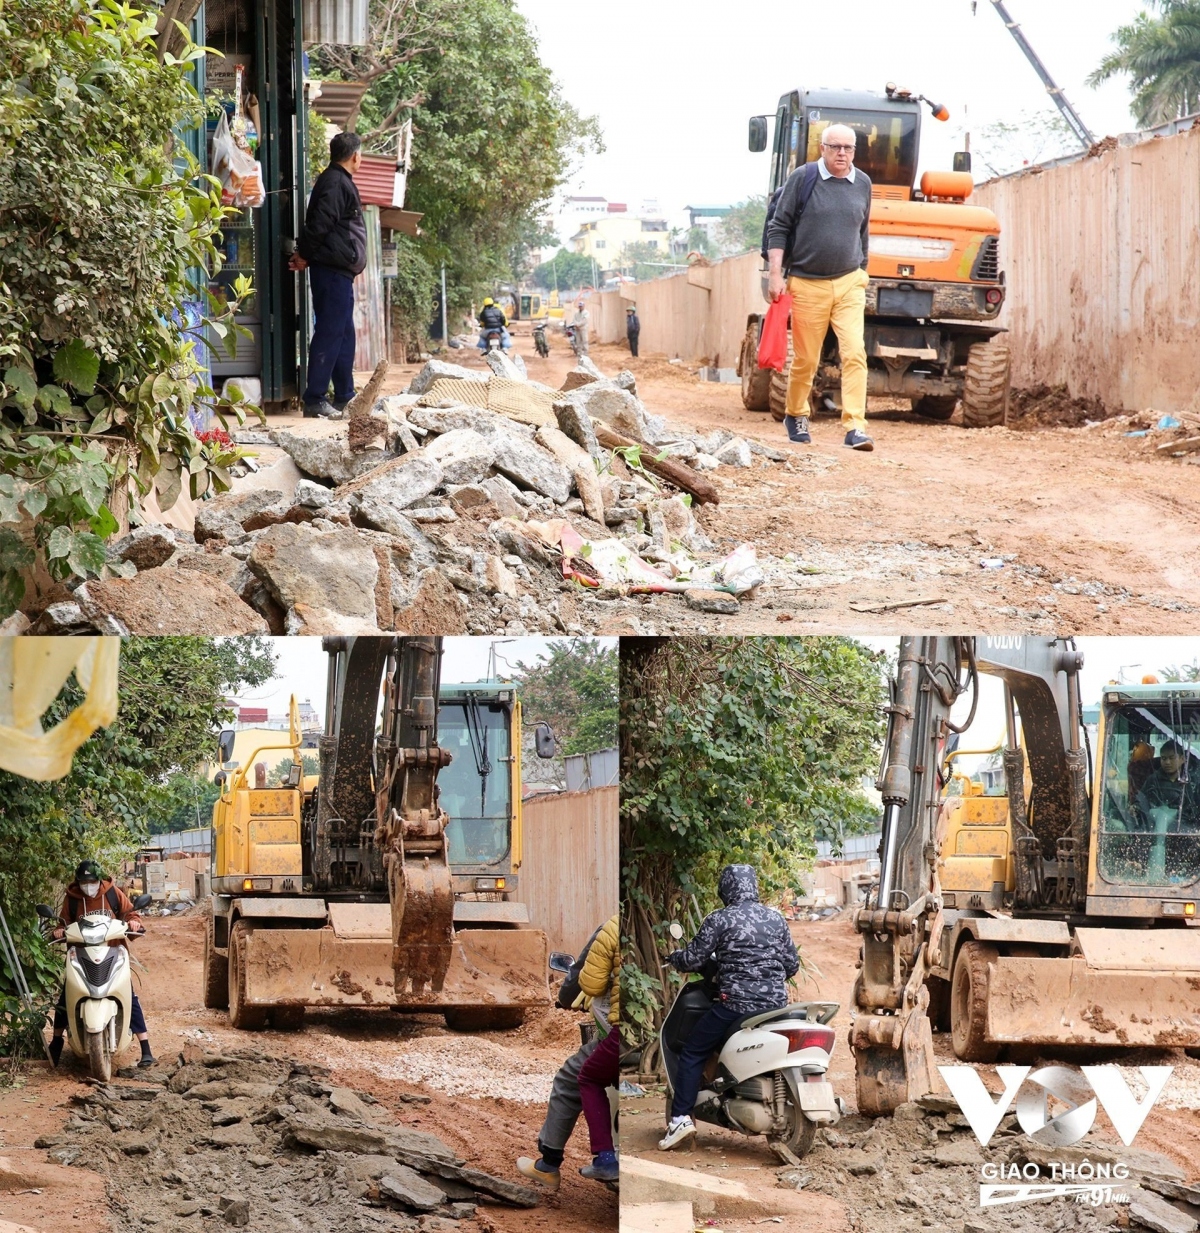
point(754, 955)
point(92, 892)
point(492, 318)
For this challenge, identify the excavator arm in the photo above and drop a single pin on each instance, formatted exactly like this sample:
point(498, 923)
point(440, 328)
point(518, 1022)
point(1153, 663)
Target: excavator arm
point(890, 1033)
point(378, 820)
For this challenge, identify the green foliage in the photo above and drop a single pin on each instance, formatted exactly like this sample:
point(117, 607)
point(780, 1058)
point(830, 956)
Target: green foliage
point(644, 260)
point(172, 700)
point(740, 231)
point(21, 1030)
point(565, 271)
point(103, 225)
point(733, 749)
point(697, 241)
point(493, 136)
point(317, 149)
point(187, 802)
point(1181, 673)
point(414, 292)
point(283, 768)
point(574, 690)
point(1161, 56)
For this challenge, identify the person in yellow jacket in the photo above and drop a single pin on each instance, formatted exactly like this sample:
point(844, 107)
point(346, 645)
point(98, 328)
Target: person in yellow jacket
point(600, 978)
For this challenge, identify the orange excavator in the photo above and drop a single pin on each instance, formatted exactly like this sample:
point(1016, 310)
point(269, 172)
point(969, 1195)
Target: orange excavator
point(936, 285)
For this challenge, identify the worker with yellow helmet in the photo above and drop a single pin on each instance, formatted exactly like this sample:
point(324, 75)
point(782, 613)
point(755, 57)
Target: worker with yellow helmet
point(492, 318)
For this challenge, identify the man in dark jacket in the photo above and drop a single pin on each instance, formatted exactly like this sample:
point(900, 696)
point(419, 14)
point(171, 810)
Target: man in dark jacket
point(333, 248)
point(633, 327)
point(492, 318)
point(755, 955)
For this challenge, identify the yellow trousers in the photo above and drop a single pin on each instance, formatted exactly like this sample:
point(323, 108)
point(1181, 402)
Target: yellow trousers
point(818, 303)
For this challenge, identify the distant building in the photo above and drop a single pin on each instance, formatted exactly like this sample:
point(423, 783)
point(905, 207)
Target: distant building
point(604, 239)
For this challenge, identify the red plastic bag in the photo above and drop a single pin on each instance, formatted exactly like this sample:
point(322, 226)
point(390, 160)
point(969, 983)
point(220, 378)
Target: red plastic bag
point(772, 343)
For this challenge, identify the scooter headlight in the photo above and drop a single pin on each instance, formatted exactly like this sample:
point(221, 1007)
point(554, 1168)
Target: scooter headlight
point(94, 934)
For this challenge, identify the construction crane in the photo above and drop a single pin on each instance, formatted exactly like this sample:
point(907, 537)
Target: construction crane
point(1072, 117)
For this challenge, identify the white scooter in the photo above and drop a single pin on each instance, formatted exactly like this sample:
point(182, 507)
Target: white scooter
point(99, 986)
point(769, 1075)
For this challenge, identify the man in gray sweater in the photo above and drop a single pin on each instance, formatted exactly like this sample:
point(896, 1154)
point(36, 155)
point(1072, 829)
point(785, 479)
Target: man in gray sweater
point(821, 224)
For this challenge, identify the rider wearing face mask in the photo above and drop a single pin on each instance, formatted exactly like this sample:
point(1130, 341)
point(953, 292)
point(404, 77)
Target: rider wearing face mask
point(93, 892)
point(755, 955)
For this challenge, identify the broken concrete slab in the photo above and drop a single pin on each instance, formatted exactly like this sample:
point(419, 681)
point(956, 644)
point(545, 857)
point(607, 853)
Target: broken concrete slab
point(331, 570)
point(657, 1218)
point(579, 463)
point(460, 416)
point(626, 381)
point(409, 1188)
point(616, 407)
point(169, 601)
point(575, 423)
point(146, 547)
point(499, 578)
point(464, 454)
point(1154, 1212)
point(435, 608)
point(647, 1181)
point(530, 466)
point(735, 453)
point(312, 495)
point(704, 600)
point(506, 365)
point(240, 1134)
point(585, 372)
point(503, 494)
point(215, 518)
point(435, 370)
point(328, 458)
point(393, 487)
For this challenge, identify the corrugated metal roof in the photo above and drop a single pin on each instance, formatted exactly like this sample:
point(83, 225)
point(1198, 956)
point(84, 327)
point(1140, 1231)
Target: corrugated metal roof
point(376, 179)
point(339, 101)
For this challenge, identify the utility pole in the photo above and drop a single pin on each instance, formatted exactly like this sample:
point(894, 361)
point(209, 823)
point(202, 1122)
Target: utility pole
point(1082, 133)
point(445, 334)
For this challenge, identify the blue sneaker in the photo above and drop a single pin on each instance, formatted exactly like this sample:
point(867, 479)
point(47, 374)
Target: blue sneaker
point(797, 429)
point(604, 1168)
point(859, 441)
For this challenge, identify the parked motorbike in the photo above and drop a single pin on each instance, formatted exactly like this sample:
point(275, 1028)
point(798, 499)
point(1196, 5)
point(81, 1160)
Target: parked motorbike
point(539, 339)
point(99, 986)
point(562, 963)
point(572, 338)
point(768, 1077)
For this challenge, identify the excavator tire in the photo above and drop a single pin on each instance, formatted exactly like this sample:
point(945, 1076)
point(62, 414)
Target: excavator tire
point(969, 1004)
point(756, 382)
point(935, 406)
point(484, 1018)
point(216, 971)
point(985, 390)
point(246, 1018)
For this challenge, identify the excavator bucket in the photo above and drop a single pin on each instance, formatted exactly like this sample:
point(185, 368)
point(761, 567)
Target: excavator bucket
point(893, 1060)
point(493, 976)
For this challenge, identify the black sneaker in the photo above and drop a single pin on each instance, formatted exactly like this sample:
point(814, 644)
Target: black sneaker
point(322, 410)
point(797, 429)
point(340, 404)
point(859, 441)
point(146, 1060)
point(56, 1048)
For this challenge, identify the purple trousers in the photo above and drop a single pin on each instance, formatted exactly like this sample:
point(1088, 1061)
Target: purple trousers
point(600, 1071)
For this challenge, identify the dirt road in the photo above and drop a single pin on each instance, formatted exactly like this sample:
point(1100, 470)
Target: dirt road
point(388, 1057)
point(1084, 529)
point(920, 1172)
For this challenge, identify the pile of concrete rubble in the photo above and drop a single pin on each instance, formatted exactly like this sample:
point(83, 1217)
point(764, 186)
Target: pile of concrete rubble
point(259, 1141)
point(472, 503)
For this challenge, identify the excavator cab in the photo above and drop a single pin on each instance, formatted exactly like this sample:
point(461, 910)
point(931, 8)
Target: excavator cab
point(1148, 815)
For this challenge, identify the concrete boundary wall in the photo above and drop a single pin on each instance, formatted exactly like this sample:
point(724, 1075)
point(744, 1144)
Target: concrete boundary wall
point(699, 313)
point(1103, 265)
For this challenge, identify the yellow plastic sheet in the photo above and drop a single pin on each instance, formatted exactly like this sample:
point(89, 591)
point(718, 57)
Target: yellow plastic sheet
point(33, 672)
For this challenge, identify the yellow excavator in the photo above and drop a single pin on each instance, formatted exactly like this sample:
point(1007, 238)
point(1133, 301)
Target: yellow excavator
point(1056, 914)
point(341, 889)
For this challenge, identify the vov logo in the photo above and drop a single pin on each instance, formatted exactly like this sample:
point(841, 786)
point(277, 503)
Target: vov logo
point(1079, 1092)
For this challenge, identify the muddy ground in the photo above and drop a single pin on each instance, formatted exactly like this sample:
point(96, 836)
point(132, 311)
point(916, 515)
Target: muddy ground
point(1081, 527)
point(425, 1078)
point(918, 1173)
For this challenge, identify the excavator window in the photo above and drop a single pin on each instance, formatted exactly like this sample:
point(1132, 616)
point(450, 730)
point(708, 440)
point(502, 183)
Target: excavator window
point(476, 788)
point(1150, 807)
point(887, 142)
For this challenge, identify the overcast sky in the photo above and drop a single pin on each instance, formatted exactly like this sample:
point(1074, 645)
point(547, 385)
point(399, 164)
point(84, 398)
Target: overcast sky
point(302, 665)
point(673, 83)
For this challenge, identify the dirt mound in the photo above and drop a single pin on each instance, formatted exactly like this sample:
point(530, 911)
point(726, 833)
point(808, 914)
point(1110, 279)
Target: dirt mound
point(1051, 406)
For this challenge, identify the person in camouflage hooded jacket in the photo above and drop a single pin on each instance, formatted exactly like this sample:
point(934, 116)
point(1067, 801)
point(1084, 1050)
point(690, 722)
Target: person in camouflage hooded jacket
point(755, 955)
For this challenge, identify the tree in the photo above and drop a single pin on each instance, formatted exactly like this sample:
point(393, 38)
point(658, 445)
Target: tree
point(566, 271)
point(187, 803)
point(574, 689)
point(644, 260)
point(1181, 673)
point(172, 700)
point(741, 230)
point(732, 749)
point(699, 241)
point(1032, 137)
point(1161, 56)
point(104, 223)
point(311, 765)
point(493, 136)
